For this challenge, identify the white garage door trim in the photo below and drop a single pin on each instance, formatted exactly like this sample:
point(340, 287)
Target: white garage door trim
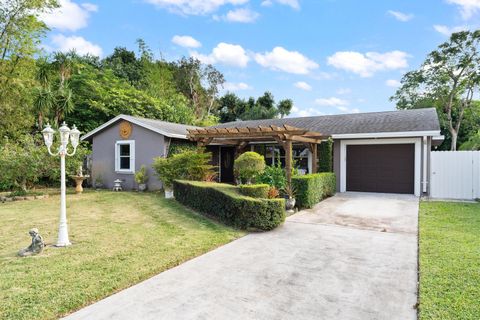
point(343, 157)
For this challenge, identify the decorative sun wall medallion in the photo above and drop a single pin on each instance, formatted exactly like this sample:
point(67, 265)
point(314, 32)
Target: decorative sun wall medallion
point(125, 129)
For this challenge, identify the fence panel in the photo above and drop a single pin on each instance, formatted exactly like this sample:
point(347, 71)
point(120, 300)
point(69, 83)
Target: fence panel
point(455, 174)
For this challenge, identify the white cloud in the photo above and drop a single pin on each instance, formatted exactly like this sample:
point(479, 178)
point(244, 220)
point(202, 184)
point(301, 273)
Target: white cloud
point(400, 16)
point(468, 8)
point(236, 86)
point(392, 83)
point(242, 15)
point(309, 112)
point(344, 91)
point(291, 3)
point(79, 44)
point(186, 41)
point(280, 59)
point(303, 85)
point(226, 54)
point(348, 110)
point(69, 16)
point(447, 31)
point(367, 64)
point(194, 7)
point(331, 102)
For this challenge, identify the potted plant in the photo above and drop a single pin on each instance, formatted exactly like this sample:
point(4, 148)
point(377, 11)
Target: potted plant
point(167, 172)
point(141, 178)
point(290, 200)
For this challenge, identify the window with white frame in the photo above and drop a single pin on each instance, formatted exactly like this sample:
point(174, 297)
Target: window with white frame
point(125, 156)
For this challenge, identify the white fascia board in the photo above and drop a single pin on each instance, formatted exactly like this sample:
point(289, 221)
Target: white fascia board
point(134, 121)
point(374, 135)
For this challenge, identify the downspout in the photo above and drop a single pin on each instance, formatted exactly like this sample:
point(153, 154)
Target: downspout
point(424, 180)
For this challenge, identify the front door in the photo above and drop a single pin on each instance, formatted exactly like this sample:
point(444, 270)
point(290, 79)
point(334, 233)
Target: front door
point(227, 156)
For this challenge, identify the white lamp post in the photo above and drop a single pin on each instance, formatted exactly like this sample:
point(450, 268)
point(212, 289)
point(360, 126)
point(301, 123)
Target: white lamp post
point(74, 136)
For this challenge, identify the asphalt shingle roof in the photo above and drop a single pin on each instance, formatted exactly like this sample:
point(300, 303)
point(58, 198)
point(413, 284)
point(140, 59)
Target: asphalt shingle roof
point(371, 122)
point(168, 127)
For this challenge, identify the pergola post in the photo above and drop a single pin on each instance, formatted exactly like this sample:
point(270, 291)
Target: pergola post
point(288, 161)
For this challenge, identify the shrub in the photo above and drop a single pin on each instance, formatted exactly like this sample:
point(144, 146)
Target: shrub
point(254, 190)
point(312, 188)
point(141, 176)
point(273, 176)
point(325, 156)
point(273, 193)
point(248, 166)
point(189, 165)
point(225, 202)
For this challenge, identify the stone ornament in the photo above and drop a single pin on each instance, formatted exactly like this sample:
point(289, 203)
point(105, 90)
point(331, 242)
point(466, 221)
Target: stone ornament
point(35, 247)
point(125, 129)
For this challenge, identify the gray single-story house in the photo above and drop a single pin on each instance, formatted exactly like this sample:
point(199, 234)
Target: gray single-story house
point(372, 152)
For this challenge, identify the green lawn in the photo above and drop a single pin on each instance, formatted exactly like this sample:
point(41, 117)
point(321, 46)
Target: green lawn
point(118, 240)
point(449, 260)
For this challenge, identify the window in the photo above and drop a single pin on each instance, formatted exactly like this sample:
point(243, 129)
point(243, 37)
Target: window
point(125, 156)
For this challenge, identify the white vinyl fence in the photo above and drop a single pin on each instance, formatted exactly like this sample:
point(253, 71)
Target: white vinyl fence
point(455, 175)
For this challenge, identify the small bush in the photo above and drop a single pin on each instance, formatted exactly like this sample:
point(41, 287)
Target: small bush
point(225, 202)
point(189, 165)
point(254, 190)
point(141, 176)
point(248, 166)
point(313, 188)
point(273, 176)
point(273, 193)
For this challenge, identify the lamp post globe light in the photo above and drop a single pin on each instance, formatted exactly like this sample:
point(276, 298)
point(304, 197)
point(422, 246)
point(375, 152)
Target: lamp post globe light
point(65, 134)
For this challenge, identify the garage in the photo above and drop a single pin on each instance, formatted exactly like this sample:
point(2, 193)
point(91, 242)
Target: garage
point(387, 168)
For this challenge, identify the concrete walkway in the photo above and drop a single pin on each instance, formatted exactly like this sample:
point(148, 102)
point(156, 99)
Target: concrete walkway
point(353, 256)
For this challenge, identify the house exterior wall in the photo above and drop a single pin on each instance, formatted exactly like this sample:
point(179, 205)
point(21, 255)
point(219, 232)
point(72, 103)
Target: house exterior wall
point(148, 144)
point(336, 161)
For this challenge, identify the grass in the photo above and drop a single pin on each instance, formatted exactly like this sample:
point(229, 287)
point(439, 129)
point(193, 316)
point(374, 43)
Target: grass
point(119, 239)
point(449, 260)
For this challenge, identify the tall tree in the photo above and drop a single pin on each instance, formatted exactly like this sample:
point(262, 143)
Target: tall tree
point(449, 77)
point(284, 107)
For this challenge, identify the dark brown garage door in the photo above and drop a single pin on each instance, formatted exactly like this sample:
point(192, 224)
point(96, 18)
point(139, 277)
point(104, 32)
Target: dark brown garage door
point(385, 168)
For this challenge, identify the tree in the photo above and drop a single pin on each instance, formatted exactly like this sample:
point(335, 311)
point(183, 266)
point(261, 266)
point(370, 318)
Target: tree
point(449, 77)
point(20, 34)
point(230, 107)
point(264, 108)
point(284, 107)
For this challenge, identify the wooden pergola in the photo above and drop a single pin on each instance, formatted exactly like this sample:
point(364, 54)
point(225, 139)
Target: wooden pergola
point(240, 137)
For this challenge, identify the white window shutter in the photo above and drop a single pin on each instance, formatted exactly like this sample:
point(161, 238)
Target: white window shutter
point(117, 158)
point(132, 156)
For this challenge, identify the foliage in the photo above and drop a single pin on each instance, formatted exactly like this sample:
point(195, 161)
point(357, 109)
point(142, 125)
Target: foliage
point(225, 202)
point(141, 176)
point(20, 35)
point(27, 162)
point(325, 156)
point(449, 260)
point(290, 191)
point(232, 108)
point(189, 165)
point(313, 188)
point(473, 143)
point(449, 78)
point(273, 193)
point(254, 190)
point(149, 238)
point(177, 147)
point(274, 176)
point(248, 166)
point(284, 107)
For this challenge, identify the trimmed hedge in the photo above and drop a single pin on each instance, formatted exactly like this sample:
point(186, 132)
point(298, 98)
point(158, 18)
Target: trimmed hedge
point(225, 202)
point(313, 188)
point(254, 190)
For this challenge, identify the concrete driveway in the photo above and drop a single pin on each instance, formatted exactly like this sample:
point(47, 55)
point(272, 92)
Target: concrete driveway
point(353, 256)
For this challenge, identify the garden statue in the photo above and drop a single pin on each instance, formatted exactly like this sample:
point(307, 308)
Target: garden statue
point(35, 247)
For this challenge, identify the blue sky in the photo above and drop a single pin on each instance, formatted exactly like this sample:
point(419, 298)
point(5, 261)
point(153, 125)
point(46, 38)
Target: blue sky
point(328, 56)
